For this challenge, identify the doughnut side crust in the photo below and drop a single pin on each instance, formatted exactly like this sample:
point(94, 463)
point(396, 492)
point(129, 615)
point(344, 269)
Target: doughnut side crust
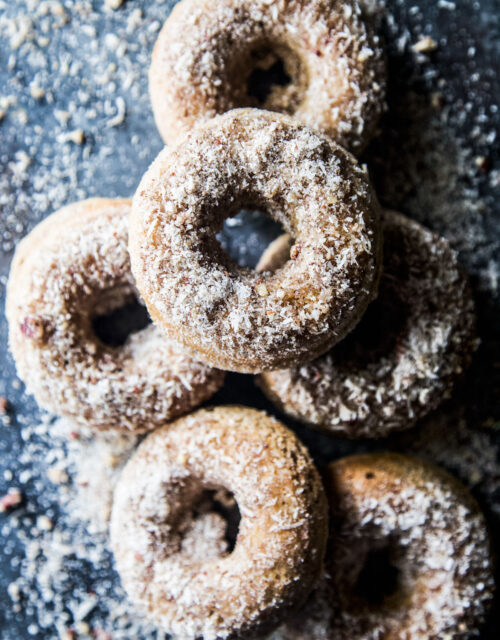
point(434, 533)
point(71, 265)
point(206, 52)
point(232, 317)
point(281, 538)
point(276, 254)
point(361, 389)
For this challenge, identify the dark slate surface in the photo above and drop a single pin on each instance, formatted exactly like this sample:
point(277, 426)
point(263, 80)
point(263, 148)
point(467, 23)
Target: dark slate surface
point(436, 159)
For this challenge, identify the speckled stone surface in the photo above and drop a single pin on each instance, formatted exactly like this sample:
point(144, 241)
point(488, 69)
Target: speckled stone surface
point(75, 121)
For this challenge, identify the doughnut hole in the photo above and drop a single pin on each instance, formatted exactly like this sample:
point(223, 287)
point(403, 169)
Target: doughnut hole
point(220, 502)
point(379, 332)
point(242, 226)
point(206, 520)
point(267, 76)
point(263, 80)
point(372, 576)
point(244, 234)
point(116, 314)
point(379, 579)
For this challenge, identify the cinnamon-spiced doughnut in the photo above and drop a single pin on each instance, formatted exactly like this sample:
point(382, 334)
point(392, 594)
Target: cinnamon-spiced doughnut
point(315, 60)
point(72, 268)
point(169, 552)
point(403, 358)
point(229, 316)
point(408, 556)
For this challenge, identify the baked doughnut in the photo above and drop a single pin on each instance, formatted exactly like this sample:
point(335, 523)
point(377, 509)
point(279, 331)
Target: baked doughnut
point(402, 359)
point(230, 316)
point(408, 556)
point(282, 533)
point(315, 60)
point(276, 254)
point(73, 267)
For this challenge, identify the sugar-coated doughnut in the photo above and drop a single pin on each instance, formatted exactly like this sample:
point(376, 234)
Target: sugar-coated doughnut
point(403, 358)
point(72, 267)
point(315, 60)
point(229, 316)
point(408, 556)
point(175, 567)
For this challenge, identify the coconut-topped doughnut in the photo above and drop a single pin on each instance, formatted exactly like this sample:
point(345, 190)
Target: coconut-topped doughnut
point(408, 556)
point(229, 316)
point(69, 272)
point(403, 358)
point(194, 588)
point(315, 60)
point(276, 254)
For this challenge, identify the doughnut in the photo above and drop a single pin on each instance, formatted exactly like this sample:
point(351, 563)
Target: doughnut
point(72, 268)
point(175, 569)
point(408, 556)
point(317, 61)
point(403, 358)
point(276, 254)
point(229, 316)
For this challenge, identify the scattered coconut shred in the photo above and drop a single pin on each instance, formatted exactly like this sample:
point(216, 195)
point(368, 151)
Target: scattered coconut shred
point(61, 550)
point(72, 119)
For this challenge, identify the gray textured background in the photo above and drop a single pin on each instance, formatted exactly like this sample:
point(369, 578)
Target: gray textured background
point(75, 121)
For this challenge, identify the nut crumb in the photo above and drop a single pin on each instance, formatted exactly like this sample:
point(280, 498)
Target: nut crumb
point(113, 4)
point(77, 136)
point(57, 476)
point(44, 523)
point(37, 92)
point(12, 499)
point(425, 45)
point(483, 163)
point(437, 100)
point(262, 289)
point(82, 628)
point(4, 405)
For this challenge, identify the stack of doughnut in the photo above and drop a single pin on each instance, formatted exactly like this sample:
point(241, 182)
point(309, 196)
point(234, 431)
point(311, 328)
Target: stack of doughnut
point(358, 321)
